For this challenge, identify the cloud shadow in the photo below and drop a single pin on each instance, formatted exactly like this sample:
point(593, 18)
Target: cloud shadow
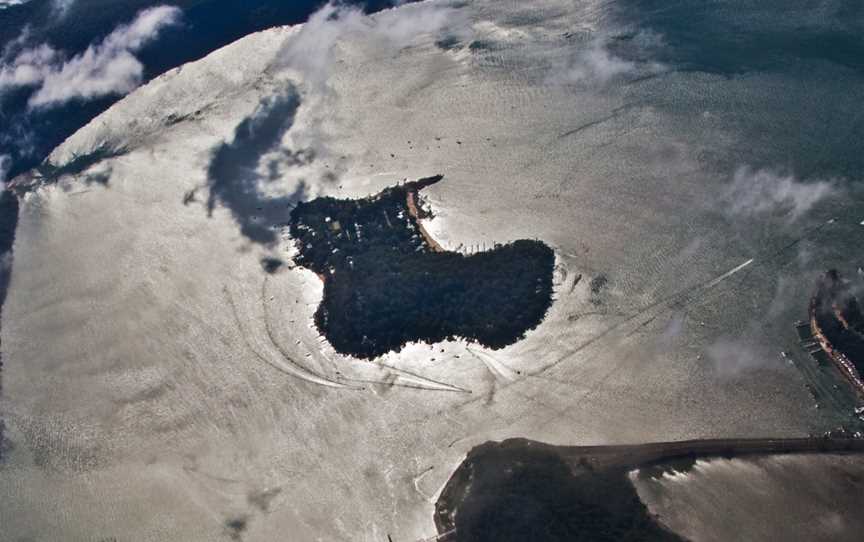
point(233, 174)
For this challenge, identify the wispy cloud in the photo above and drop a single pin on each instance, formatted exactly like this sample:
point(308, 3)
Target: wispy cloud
point(9, 3)
point(401, 27)
point(754, 346)
point(103, 69)
point(731, 356)
point(29, 67)
point(309, 55)
point(60, 8)
point(757, 193)
point(310, 52)
point(594, 63)
point(5, 164)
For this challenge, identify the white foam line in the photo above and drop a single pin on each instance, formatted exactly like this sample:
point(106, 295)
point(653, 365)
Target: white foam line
point(406, 378)
point(495, 367)
point(728, 274)
point(285, 365)
point(292, 368)
point(418, 479)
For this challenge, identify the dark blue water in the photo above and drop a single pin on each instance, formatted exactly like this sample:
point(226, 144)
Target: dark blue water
point(748, 35)
point(812, 51)
point(207, 25)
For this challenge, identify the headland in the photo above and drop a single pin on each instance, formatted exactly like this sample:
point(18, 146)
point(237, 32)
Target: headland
point(525, 490)
point(838, 326)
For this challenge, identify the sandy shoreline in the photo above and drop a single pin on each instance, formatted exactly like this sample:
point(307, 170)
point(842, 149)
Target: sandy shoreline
point(413, 210)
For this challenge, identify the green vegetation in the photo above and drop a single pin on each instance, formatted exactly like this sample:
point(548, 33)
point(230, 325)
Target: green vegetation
point(385, 285)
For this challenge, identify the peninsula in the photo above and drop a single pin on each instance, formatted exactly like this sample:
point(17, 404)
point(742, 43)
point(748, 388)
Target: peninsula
point(523, 490)
point(838, 325)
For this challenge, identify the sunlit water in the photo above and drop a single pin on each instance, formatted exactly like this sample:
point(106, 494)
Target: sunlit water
point(159, 385)
point(775, 498)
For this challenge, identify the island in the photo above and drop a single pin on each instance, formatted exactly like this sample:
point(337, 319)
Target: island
point(388, 283)
point(838, 326)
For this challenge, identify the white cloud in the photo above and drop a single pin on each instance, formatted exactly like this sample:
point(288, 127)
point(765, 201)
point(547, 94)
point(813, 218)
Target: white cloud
point(308, 56)
point(672, 332)
point(6, 261)
point(60, 8)
point(400, 27)
point(9, 3)
point(732, 356)
point(752, 348)
point(757, 193)
point(14, 46)
point(106, 68)
point(311, 50)
point(594, 64)
point(29, 68)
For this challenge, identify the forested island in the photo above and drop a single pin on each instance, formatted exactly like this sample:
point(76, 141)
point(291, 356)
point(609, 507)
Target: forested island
point(388, 283)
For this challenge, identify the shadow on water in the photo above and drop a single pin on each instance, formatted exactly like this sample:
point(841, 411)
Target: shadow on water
point(233, 175)
point(28, 136)
point(50, 173)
